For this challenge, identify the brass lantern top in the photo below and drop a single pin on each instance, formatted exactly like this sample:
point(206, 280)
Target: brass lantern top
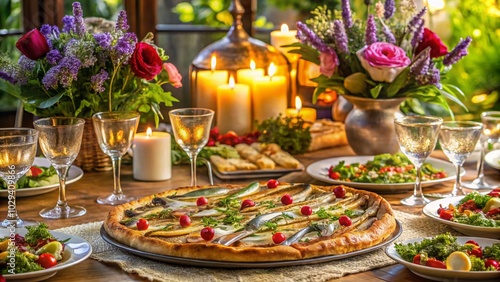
point(237, 48)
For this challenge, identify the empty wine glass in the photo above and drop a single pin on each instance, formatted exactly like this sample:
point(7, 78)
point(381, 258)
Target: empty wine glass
point(417, 137)
point(17, 154)
point(115, 132)
point(60, 139)
point(191, 127)
point(491, 134)
point(458, 139)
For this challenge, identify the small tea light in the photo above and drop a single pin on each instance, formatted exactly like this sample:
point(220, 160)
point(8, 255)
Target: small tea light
point(152, 156)
point(307, 114)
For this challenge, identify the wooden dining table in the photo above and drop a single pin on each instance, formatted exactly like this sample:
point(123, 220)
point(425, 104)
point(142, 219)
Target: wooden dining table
point(85, 191)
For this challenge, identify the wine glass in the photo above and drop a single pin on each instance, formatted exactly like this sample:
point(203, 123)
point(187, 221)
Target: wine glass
point(191, 127)
point(115, 132)
point(17, 154)
point(60, 139)
point(458, 139)
point(491, 134)
point(417, 137)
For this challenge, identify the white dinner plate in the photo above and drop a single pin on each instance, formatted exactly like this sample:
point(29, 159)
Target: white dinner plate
point(440, 274)
point(493, 159)
point(74, 174)
point(431, 208)
point(76, 250)
point(319, 171)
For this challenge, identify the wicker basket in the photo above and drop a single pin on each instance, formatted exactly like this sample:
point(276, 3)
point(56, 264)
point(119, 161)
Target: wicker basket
point(91, 157)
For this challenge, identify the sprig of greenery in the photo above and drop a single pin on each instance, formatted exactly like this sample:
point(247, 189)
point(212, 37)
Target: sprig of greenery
point(290, 133)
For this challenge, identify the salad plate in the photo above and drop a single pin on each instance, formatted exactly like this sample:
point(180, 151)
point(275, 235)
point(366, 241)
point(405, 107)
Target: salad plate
point(493, 159)
point(431, 208)
point(74, 174)
point(76, 250)
point(319, 170)
point(439, 274)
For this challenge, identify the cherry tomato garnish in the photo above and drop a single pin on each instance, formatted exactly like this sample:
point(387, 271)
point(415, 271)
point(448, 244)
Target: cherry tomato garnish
point(207, 233)
point(344, 220)
point(46, 260)
point(201, 201)
point(416, 259)
point(35, 171)
point(306, 210)
point(185, 220)
point(472, 242)
point(432, 262)
point(339, 192)
point(334, 175)
point(446, 214)
point(493, 263)
point(272, 183)
point(142, 224)
point(278, 237)
point(286, 199)
point(247, 203)
point(494, 193)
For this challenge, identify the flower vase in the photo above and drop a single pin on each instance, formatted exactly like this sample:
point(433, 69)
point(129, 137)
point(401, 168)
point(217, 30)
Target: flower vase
point(369, 125)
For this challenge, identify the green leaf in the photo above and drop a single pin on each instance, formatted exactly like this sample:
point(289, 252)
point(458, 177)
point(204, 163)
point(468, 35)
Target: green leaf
point(375, 91)
point(398, 83)
point(308, 53)
point(51, 101)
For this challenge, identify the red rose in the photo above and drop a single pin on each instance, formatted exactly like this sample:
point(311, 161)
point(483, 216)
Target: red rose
point(432, 40)
point(145, 62)
point(33, 44)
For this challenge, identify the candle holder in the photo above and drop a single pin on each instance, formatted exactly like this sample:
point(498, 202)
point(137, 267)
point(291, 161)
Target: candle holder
point(229, 56)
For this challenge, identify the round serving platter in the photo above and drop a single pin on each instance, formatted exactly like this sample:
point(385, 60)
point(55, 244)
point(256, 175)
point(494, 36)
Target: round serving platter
point(224, 264)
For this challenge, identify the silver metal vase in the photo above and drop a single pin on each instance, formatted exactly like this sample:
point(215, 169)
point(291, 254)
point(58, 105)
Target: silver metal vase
point(369, 125)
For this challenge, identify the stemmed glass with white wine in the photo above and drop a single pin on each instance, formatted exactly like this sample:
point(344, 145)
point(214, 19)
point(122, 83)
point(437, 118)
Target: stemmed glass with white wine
point(191, 127)
point(17, 154)
point(417, 137)
point(491, 134)
point(115, 132)
point(458, 140)
point(60, 140)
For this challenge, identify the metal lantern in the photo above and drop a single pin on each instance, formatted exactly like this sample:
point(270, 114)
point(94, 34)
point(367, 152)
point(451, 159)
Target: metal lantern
point(239, 56)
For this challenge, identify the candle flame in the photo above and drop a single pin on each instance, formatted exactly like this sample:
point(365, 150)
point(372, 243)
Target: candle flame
point(213, 62)
point(284, 28)
point(252, 64)
point(149, 132)
point(298, 103)
point(272, 70)
point(231, 81)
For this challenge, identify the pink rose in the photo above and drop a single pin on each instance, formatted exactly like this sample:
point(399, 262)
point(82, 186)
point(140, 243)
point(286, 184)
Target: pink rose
point(174, 77)
point(328, 63)
point(383, 61)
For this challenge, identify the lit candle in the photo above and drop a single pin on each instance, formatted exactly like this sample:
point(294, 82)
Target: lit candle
point(235, 111)
point(269, 95)
point(284, 37)
point(206, 86)
point(307, 114)
point(152, 156)
point(246, 76)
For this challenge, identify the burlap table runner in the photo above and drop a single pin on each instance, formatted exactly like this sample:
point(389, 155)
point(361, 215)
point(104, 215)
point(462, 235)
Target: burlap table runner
point(413, 227)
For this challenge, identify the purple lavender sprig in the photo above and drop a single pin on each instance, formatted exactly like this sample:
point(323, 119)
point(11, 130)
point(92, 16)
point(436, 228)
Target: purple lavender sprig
point(347, 14)
point(371, 31)
point(79, 22)
point(389, 8)
point(121, 22)
point(308, 36)
point(97, 81)
point(53, 57)
point(416, 19)
point(420, 66)
point(103, 39)
point(68, 24)
point(340, 37)
point(418, 35)
point(389, 36)
point(458, 52)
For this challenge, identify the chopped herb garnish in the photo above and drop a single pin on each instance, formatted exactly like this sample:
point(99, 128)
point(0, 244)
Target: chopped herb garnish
point(269, 204)
point(209, 221)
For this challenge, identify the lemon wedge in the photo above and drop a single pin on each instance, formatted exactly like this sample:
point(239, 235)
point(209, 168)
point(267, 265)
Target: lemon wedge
point(458, 261)
point(491, 204)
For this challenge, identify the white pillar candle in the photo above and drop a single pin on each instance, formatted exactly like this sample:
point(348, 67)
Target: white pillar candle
point(284, 37)
point(246, 76)
point(269, 95)
point(152, 156)
point(233, 102)
point(206, 86)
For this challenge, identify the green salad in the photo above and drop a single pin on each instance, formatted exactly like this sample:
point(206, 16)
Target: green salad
point(384, 168)
point(37, 176)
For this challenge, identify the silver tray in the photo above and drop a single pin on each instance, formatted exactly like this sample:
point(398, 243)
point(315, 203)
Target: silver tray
point(224, 264)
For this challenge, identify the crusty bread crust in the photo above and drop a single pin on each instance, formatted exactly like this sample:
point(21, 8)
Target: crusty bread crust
point(351, 241)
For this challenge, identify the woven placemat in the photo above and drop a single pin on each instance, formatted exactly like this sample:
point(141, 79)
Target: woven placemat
point(413, 227)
